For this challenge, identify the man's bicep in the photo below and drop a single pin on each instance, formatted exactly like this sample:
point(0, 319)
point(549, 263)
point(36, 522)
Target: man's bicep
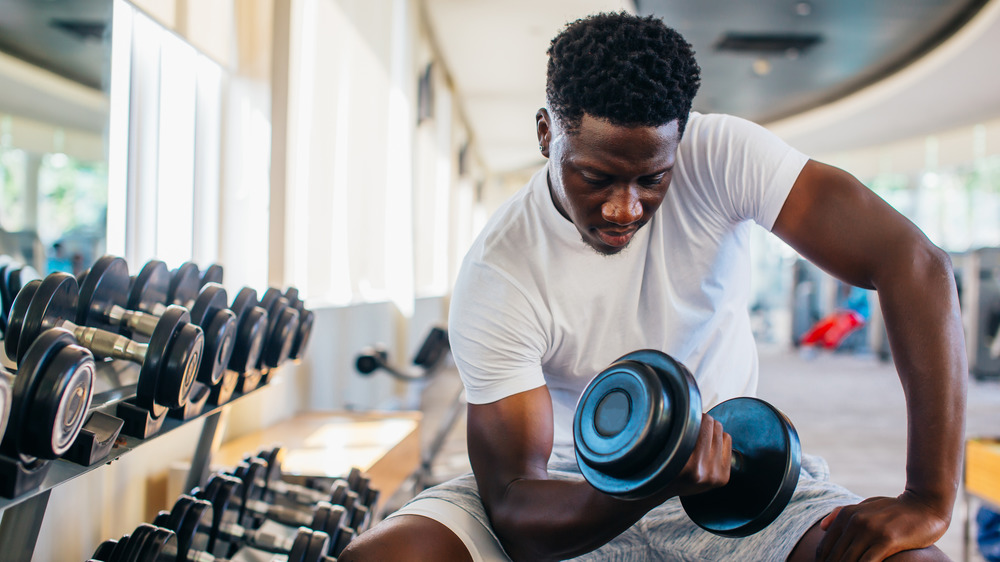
point(836, 222)
point(510, 439)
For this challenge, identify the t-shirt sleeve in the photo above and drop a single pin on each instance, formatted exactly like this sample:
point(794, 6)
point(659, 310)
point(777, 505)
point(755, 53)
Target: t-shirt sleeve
point(495, 335)
point(753, 169)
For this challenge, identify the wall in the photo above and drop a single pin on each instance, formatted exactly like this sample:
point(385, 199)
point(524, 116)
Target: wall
point(309, 168)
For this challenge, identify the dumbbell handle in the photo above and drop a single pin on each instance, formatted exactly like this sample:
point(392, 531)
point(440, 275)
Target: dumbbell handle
point(278, 514)
point(294, 492)
point(136, 321)
point(735, 463)
point(107, 344)
point(255, 539)
point(200, 556)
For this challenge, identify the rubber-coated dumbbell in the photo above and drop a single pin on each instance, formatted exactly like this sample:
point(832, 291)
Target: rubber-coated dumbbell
point(155, 286)
point(306, 320)
point(6, 390)
point(283, 325)
point(150, 543)
point(222, 493)
point(169, 362)
point(212, 274)
point(636, 426)
point(354, 489)
point(228, 493)
point(49, 396)
point(103, 304)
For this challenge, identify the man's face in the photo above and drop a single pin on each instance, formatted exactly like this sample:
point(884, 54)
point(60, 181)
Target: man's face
point(606, 179)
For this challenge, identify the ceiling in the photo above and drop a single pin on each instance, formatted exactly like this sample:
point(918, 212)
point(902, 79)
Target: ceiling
point(844, 47)
point(69, 41)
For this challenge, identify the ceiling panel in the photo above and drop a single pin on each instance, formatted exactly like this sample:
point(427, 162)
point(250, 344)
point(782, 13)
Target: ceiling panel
point(860, 41)
point(495, 53)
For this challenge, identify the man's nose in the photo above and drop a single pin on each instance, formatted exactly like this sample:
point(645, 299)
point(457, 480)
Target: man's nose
point(623, 208)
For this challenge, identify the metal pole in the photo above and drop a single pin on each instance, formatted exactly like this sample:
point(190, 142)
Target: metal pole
point(20, 525)
point(208, 444)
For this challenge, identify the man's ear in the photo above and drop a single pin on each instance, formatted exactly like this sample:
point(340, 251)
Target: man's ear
point(543, 128)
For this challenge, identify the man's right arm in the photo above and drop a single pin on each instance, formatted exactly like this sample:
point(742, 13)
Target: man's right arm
point(510, 442)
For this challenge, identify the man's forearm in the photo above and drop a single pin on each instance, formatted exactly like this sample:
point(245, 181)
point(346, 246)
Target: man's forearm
point(920, 306)
point(559, 519)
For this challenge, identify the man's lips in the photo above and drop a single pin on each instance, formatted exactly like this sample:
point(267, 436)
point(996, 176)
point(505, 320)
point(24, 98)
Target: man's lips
point(615, 238)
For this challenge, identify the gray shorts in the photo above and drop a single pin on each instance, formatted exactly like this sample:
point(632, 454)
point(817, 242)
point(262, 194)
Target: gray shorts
point(665, 533)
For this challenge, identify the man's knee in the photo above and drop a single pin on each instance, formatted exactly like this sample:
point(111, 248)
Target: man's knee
point(408, 538)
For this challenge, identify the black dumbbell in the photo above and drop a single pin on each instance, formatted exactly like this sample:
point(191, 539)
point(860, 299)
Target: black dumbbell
point(6, 389)
point(271, 487)
point(282, 329)
point(49, 396)
point(149, 543)
point(222, 494)
point(637, 423)
point(212, 274)
point(155, 286)
point(103, 304)
point(236, 493)
point(169, 362)
point(306, 320)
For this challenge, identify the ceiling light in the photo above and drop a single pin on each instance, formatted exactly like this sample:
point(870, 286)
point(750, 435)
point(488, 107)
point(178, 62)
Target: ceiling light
point(761, 67)
point(803, 9)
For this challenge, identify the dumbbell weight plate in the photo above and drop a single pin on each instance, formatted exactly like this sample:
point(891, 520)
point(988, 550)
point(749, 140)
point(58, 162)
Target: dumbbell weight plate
point(14, 279)
point(18, 311)
point(301, 342)
point(118, 553)
point(6, 395)
point(53, 301)
point(283, 325)
point(56, 394)
point(135, 543)
point(104, 551)
point(220, 491)
point(6, 295)
point(251, 334)
point(210, 311)
point(282, 329)
point(626, 444)
point(161, 546)
point(220, 336)
point(106, 285)
point(212, 274)
point(184, 357)
point(211, 299)
point(150, 288)
point(171, 362)
point(292, 294)
point(319, 544)
point(300, 546)
point(328, 518)
point(760, 489)
point(268, 298)
point(198, 517)
point(185, 283)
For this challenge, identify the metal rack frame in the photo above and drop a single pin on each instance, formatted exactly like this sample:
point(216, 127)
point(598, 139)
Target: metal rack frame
point(22, 516)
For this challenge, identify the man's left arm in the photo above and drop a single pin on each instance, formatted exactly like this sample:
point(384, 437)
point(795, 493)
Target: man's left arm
point(834, 221)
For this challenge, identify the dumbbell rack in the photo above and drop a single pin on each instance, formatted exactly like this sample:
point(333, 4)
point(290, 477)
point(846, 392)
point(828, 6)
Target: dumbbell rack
point(22, 516)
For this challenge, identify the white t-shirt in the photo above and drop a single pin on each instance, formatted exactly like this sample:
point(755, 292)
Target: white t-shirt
point(534, 305)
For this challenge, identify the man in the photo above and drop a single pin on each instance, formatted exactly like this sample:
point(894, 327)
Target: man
point(636, 235)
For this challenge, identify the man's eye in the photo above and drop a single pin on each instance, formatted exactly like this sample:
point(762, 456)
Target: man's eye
point(593, 180)
point(654, 180)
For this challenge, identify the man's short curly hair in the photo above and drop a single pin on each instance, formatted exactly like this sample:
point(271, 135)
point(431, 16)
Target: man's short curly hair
point(630, 70)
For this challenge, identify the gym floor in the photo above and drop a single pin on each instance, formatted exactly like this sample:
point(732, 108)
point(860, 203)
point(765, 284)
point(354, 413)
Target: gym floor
point(848, 409)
